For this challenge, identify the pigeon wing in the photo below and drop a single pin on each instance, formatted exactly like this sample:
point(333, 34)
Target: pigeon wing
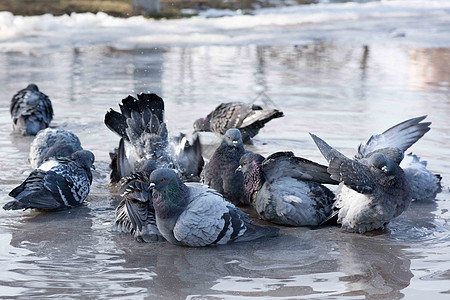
point(402, 136)
point(354, 174)
point(285, 164)
point(208, 219)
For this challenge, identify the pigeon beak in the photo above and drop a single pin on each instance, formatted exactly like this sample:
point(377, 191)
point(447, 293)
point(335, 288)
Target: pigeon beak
point(235, 143)
point(239, 169)
point(93, 167)
point(152, 185)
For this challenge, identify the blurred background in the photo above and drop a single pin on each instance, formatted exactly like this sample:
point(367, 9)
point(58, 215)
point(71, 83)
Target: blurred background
point(124, 8)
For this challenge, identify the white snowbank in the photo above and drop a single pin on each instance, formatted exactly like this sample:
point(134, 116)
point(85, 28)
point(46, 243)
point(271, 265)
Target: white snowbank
point(420, 21)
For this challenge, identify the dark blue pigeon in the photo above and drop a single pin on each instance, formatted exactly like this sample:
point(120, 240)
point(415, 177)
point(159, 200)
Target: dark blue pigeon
point(220, 173)
point(58, 183)
point(373, 190)
point(287, 190)
point(53, 143)
point(194, 215)
point(248, 118)
point(31, 110)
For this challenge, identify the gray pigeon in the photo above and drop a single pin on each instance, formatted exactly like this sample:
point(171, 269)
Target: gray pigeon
point(248, 118)
point(424, 184)
point(393, 143)
point(144, 136)
point(286, 190)
point(57, 183)
point(187, 156)
point(194, 215)
point(135, 213)
point(53, 143)
point(373, 190)
point(31, 110)
point(220, 173)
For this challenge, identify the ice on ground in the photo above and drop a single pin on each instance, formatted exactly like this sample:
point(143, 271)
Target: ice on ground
point(418, 22)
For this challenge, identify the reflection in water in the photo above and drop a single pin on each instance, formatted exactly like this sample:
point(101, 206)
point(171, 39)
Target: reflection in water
point(381, 272)
point(428, 68)
point(345, 93)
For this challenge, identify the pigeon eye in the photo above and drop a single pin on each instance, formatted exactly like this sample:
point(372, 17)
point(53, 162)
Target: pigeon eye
point(162, 179)
point(229, 137)
point(245, 164)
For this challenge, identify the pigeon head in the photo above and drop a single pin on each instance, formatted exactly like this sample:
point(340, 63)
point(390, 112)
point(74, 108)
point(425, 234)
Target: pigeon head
point(249, 162)
point(84, 158)
point(250, 166)
point(170, 195)
point(233, 138)
point(201, 124)
point(32, 87)
point(163, 179)
point(381, 162)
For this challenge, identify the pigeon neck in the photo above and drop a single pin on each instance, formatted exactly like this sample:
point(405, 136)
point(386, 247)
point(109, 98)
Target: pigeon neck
point(205, 124)
point(253, 181)
point(231, 152)
point(171, 201)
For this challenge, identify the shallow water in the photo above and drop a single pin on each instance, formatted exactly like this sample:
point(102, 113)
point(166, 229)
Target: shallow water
point(344, 92)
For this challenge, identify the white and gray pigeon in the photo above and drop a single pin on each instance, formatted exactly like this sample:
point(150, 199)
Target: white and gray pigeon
point(135, 214)
point(194, 215)
point(287, 190)
point(424, 184)
point(53, 143)
point(373, 190)
point(144, 135)
point(31, 110)
point(393, 143)
point(220, 172)
point(57, 183)
point(248, 118)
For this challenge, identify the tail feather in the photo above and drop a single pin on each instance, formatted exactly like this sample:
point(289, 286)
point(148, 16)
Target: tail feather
point(128, 105)
point(123, 166)
point(138, 110)
point(154, 103)
point(257, 119)
point(117, 123)
point(326, 150)
point(255, 232)
point(14, 205)
point(146, 116)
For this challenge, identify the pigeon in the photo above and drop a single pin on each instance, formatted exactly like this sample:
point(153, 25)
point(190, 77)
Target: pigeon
point(287, 190)
point(373, 190)
point(248, 118)
point(53, 143)
point(393, 143)
point(57, 183)
point(194, 215)
point(31, 110)
point(424, 184)
point(135, 214)
point(220, 173)
point(144, 136)
point(188, 157)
